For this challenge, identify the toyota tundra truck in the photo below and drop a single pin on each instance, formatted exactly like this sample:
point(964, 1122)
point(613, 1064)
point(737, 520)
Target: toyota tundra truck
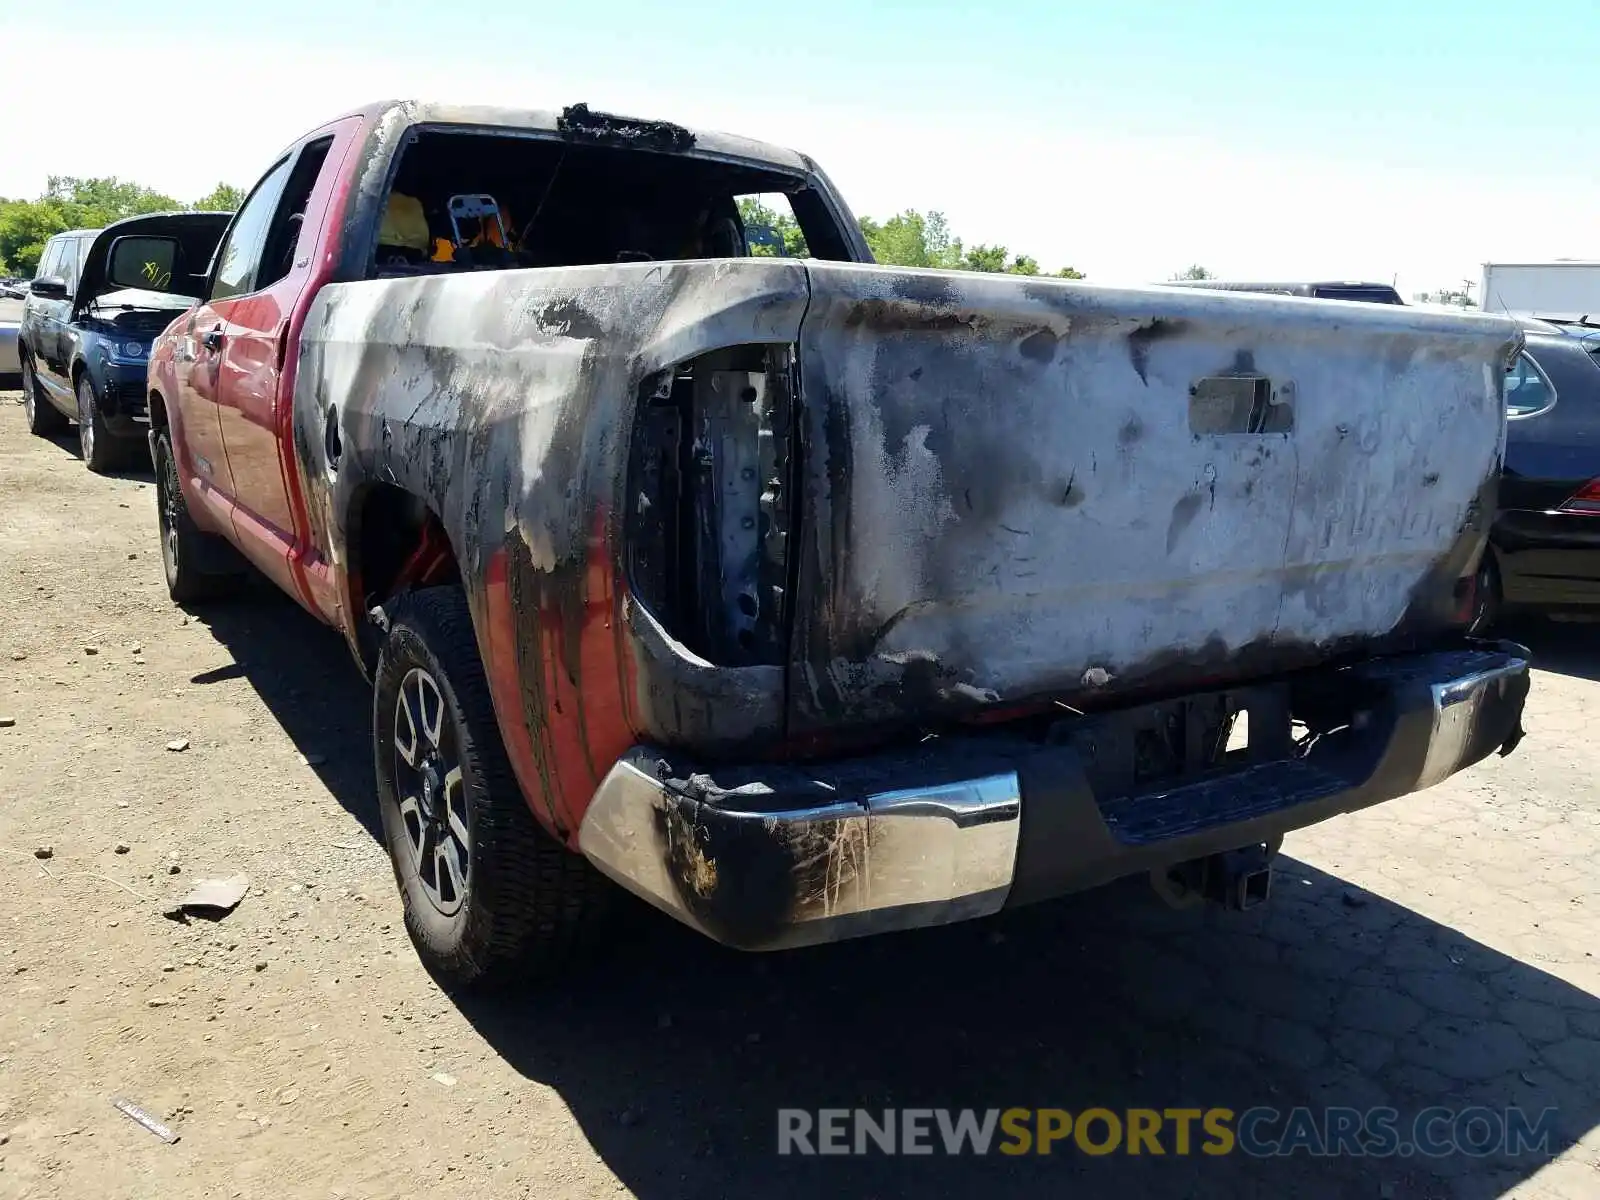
point(803, 597)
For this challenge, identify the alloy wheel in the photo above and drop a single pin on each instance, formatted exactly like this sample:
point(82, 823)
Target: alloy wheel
point(86, 418)
point(27, 390)
point(433, 800)
point(169, 511)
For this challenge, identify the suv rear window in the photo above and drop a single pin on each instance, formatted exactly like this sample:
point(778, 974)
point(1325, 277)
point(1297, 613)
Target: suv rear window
point(1528, 388)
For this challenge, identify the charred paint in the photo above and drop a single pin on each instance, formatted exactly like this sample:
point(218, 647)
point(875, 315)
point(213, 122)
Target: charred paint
point(1145, 336)
point(504, 402)
point(994, 575)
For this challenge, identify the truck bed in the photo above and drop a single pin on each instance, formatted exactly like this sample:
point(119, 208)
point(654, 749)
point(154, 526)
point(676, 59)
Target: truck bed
point(950, 495)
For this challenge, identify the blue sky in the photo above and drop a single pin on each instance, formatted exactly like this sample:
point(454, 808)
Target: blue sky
point(1401, 139)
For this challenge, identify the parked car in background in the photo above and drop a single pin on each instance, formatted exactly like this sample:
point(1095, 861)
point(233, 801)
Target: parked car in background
point(1371, 293)
point(10, 320)
point(85, 341)
point(1544, 547)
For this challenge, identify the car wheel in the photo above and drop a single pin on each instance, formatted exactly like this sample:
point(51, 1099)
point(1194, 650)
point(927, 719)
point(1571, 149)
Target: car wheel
point(1486, 598)
point(101, 449)
point(185, 548)
point(43, 419)
point(489, 895)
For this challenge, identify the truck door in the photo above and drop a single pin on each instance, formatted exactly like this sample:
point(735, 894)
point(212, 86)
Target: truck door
point(200, 355)
point(255, 397)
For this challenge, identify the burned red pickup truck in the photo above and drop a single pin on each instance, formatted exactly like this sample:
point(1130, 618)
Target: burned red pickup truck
point(803, 597)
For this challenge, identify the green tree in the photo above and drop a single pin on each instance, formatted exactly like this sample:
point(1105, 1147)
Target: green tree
point(913, 239)
point(222, 198)
point(25, 226)
point(917, 239)
point(990, 259)
point(1194, 272)
point(70, 202)
point(102, 201)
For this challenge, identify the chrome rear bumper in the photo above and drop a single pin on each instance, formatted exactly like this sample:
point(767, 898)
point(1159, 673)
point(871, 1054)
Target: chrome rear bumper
point(770, 857)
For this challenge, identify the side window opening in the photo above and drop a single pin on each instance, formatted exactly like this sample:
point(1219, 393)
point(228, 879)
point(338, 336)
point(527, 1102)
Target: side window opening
point(283, 236)
point(485, 201)
point(1528, 389)
point(239, 256)
point(67, 264)
point(73, 260)
point(771, 229)
point(49, 259)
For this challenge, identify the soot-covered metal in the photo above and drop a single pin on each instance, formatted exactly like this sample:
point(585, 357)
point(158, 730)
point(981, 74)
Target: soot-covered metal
point(807, 498)
point(1006, 498)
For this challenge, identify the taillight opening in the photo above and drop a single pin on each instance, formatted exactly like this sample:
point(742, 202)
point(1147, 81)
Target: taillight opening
point(710, 491)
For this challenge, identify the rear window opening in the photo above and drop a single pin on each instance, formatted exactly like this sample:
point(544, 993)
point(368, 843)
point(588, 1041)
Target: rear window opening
point(1369, 294)
point(469, 200)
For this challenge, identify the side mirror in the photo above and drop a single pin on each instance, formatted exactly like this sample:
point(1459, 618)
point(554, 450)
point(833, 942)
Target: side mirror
point(51, 287)
point(143, 262)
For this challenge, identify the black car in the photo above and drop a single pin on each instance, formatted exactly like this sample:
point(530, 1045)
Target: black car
point(1544, 549)
point(84, 342)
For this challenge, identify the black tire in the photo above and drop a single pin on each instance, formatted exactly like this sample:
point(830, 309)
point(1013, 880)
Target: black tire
point(185, 548)
point(44, 420)
point(100, 449)
point(523, 903)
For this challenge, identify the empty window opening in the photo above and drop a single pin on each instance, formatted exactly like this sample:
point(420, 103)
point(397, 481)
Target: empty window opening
point(471, 200)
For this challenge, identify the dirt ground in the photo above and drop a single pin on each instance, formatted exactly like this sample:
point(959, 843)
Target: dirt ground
point(1436, 950)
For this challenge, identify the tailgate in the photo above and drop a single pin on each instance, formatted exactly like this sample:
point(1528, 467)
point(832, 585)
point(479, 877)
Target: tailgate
point(1021, 489)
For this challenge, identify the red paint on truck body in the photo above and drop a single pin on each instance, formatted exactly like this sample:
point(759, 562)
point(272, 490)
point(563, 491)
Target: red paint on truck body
point(558, 754)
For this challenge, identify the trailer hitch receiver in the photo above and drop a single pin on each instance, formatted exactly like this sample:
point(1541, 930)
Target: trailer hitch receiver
point(1236, 879)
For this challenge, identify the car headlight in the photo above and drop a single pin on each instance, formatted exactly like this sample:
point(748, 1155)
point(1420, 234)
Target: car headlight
point(133, 349)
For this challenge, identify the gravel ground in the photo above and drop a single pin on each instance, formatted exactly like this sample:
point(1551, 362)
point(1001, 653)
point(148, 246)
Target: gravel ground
point(1439, 950)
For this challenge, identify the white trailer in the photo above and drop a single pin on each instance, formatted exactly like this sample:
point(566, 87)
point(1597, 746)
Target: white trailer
point(1569, 288)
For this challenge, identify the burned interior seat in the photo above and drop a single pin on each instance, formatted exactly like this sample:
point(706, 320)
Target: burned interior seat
point(403, 238)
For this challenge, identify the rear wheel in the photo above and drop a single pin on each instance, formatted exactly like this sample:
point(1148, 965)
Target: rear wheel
point(43, 419)
point(489, 896)
point(184, 547)
point(101, 449)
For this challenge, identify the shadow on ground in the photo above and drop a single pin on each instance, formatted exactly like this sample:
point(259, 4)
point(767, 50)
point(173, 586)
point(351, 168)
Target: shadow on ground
point(675, 1056)
point(1566, 647)
point(304, 673)
point(135, 463)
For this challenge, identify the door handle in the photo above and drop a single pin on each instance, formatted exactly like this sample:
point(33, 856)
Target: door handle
point(212, 339)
